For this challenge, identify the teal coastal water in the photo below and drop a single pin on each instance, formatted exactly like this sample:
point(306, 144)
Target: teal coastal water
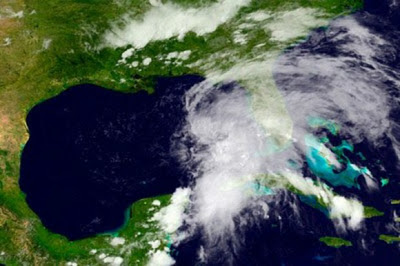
point(319, 122)
point(326, 163)
point(259, 189)
point(324, 167)
point(384, 181)
point(115, 232)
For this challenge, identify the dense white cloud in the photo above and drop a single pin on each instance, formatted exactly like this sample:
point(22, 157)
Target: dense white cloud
point(171, 217)
point(116, 241)
point(155, 244)
point(164, 21)
point(156, 203)
point(356, 93)
point(295, 23)
point(343, 208)
point(229, 156)
point(345, 212)
point(233, 141)
point(113, 261)
point(161, 258)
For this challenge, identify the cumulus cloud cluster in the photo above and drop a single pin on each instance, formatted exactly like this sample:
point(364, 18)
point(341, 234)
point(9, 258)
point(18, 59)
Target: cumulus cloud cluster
point(171, 217)
point(229, 148)
point(161, 258)
point(346, 213)
point(294, 23)
point(164, 21)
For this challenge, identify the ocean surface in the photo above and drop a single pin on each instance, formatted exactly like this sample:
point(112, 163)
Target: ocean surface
point(92, 152)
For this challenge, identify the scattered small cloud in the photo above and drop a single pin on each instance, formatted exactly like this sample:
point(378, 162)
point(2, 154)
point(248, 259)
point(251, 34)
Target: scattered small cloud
point(117, 241)
point(113, 261)
point(156, 203)
point(46, 44)
point(146, 61)
point(7, 41)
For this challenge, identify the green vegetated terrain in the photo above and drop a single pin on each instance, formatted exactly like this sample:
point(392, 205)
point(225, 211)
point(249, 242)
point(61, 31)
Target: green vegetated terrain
point(54, 45)
point(138, 231)
point(395, 202)
point(370, 212)
point(335, 242)
point(390, 239)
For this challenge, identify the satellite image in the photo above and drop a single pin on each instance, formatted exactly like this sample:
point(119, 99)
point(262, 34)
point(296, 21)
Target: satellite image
point(200, 132)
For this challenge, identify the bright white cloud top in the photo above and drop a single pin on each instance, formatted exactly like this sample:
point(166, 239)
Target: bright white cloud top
point(164, 21)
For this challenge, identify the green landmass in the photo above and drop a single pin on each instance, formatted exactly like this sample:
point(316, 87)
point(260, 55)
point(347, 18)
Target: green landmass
point(335, 242)
point(395, 202)
point(137, 233)
point(389, 239)
point(53, 46)
point(370, 212)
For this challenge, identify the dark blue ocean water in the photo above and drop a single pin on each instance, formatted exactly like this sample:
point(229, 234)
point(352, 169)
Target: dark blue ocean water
point(92, 152)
